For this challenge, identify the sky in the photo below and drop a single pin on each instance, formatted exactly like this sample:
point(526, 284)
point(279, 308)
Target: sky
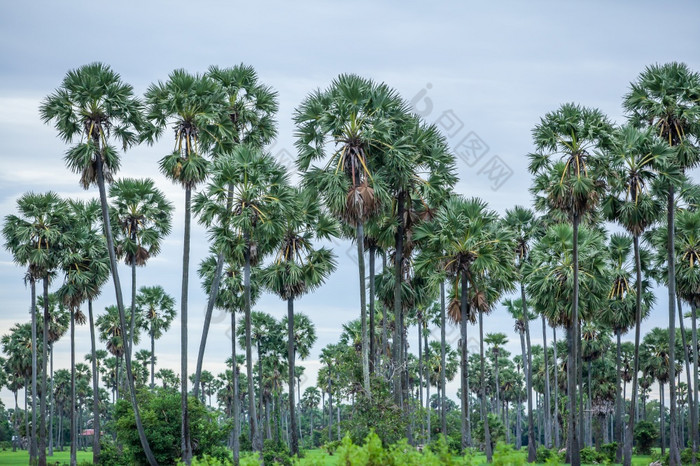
point(484, 72)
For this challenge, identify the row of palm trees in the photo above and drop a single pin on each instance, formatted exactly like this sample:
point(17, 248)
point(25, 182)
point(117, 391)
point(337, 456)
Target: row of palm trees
point(384, 178)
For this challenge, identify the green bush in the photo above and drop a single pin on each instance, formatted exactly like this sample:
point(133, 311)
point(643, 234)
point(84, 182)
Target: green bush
point(160, 411)
point(544, 453)
point(379, 413)
point(496, 429)
point(506, 455)
point(645, 435)
point(331, 447)
point(590, 456)
point(609, 450)
point(687, 456)
point(112, 455)
point(276, 453)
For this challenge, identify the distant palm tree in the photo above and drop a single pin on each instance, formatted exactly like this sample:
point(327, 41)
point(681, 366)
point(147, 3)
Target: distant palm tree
point(95, 106)
point(157, 309)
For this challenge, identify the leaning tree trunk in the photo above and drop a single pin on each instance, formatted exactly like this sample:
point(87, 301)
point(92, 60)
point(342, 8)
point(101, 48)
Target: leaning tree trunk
point(547, 390)
point(95, 390)
point(73, 430)
point(675, 456)
point(236, 401)
point(531, 447)
point(443, 418)
point(463, 363)
point(120, 306)
point(572, 452)
point(363, 307)
point(254, 430)
point(44, 387)
point(484, 415)
point(294, 447)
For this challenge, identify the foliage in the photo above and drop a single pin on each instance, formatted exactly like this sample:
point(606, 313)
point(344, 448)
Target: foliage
point(608, 450)
point(160, 410)
point(496, 428)
point(590, 456)
point(506, 455)
point(112, 455)
point(544, 454)
point(645, 435)
point(276, 453)
point(379, 413)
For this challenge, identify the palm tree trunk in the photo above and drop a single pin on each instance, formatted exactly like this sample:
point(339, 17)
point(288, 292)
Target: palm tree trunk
point(579, 370)
point(294, 447)
point(427, 383)
point(33, 452)
point(29, 436)
point(254, 431)
point(185, 443)
point(523, 351)
point(572, 452)
point(484, 416)
point(692, 421)
point(618, 402)
point(695, 409)
point(51, 404)
point(120, 305)
point(44, 354)
point(73, 430)
point(531, 447)
point(557, 433)
point(153, 355)
point(132, 318)
point(443, 417)
point(330, 405)
point(236, 401)
point(662, 419)
point(337, 412)
point(363, 307)
point(547, 390)
point(372, 346)
point(463, 363)
point(519, 424)
point(398, 278)
point(675, 456)
point(420, 361)
point(95, 390)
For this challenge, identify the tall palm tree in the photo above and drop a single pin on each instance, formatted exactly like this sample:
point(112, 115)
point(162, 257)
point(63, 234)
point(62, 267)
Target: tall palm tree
point(95, 106)
point(297, 269)
point(195, 106)
point(35, 238)
point(157, 309)
point(664, 97)
point(468, 244)
point(142, 216)
point(249, 230)
point(251, 109)
point(524, 226)
point(637, 159)
point(570, 178)
point(352, 114)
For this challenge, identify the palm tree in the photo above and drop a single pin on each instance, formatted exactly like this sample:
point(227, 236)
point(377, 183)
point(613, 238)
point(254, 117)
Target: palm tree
point(35, 238)
point(95, 106)
point(635, 160)
point(195, 106)
point(665, 98)
point(142, 216)
point(352, 114)
point(310, 402)
point(571, 185)
point(20, 348)
point(251, 228)
point(157, 309)
point(465, 240)
point(523, 224)
point(297, 269)
point(110, 332)
point(496, 342)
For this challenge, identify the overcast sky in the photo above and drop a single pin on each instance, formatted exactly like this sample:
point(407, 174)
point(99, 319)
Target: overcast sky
point(484, 71)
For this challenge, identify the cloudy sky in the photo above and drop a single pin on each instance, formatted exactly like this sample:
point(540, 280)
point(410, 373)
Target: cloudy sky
point(485, 72)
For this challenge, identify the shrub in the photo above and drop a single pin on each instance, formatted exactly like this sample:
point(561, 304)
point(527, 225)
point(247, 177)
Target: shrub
point(544, 453)
point(276, 453)
point(496, 429)
point(506, 455)
point(645, 435)
point(687, 456)
point(331, 447)
point(379, 413)
point(609, 450)
point(112, 455)
point(590, 456)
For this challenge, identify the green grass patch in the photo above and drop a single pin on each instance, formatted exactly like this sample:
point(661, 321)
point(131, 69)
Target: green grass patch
point(21, 457)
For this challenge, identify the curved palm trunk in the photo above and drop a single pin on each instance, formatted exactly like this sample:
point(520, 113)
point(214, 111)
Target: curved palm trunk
point(443, 418)
point(618, 401)
point(33, 452)
point(185, 443)
point(254, 431)
point(73, 427)
point(95, 391)
point(236, 401)
point(120, 305)
point(531, 447)
point(547, 390)
point(363, 307)
point(572, 452)
point(484, 415)
point(294, 443)
point(675, 456)
point(44, 387)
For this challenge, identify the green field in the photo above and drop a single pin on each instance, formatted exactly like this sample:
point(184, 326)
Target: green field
point(59, 457)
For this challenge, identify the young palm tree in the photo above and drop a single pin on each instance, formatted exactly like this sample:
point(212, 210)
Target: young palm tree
point(353, 114)
point(95, 106)
point(35, 239)
point(157, 309)
point(251, 228)
point(637, 159)
point(251, 109)
point(195, 106)
point(297, 269)
point(664, 98)
point(523, 224)
point(570, 178)
point(142, 216)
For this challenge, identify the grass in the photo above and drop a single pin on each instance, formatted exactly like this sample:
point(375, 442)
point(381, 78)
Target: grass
point(21, 457)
